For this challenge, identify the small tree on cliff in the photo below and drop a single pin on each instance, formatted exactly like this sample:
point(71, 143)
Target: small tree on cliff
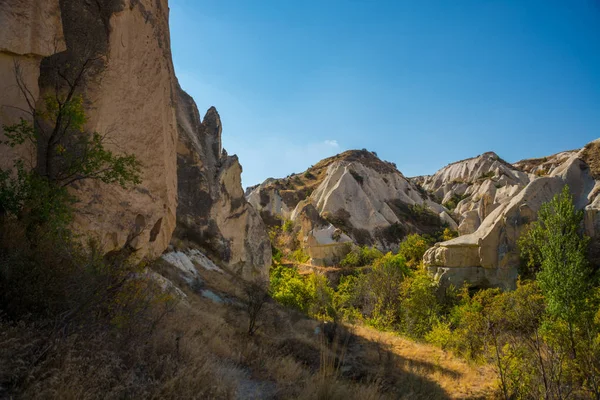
point(65, 152)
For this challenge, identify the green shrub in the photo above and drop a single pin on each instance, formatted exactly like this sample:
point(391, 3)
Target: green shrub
point(321, 298)
point(486, 175)
point(309, 294)
point(440, 334)
point(300, 256)
point(288, 287)
point(422, 214)
point(448, 234)
point(454, 200)
point(384, 284)
point(419, 304)
point(45, 276)
point(413, 247)
point(277, 255)
point(288, 226)
point(309, 175)
point(391, 234)
point(361, 256)
point(357, 177)
point(346, 299)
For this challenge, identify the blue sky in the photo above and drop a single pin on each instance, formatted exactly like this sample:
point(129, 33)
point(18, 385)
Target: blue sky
point(422, 83)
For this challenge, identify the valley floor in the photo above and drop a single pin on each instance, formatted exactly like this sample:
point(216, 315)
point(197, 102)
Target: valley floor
point(202, 350)
point(288, 358)
point(456, 378)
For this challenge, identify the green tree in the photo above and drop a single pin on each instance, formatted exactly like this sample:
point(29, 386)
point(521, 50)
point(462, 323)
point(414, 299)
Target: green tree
point(361, 256)
point(419, 303)
point(555, 246)
point(384, 284)
point(288, 287)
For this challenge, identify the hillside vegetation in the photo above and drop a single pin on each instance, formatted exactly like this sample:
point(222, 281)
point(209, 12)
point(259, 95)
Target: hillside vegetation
point(542, 340)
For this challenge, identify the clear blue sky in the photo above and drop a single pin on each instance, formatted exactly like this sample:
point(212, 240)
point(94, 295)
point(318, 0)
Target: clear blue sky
point(422, 83)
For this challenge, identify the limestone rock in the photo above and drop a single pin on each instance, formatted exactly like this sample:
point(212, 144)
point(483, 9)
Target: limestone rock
point(128, 95)
point(327, 245)
point(131, 95)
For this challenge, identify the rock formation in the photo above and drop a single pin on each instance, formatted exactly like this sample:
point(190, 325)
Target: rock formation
point(474, 187)
point(212, 211)
point(29, 31)
point(489, 256)
point(367, 199)
point(132, 96)
point(128, 93)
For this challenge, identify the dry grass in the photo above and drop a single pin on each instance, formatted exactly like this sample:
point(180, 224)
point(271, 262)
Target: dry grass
point(202, 350)
point(591, 155)
point(454, 376)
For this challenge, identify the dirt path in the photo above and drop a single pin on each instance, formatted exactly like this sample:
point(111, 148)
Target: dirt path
point(455, 377)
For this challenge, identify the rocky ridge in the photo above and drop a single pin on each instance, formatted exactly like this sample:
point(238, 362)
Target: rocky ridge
point(474, 187)
point(489, 256)
point(131, 94)
point(353, 196)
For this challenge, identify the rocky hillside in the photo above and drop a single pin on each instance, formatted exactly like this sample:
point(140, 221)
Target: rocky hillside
point(132, 96)
point(474, 187)
point(489, 256)
point(353, 196)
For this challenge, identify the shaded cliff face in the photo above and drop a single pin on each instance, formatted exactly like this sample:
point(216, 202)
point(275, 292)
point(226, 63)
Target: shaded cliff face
point(212, 212)
point(489, 256)
point(128, 90)
point(132, 96)
point(29, 31)
point(367, 199)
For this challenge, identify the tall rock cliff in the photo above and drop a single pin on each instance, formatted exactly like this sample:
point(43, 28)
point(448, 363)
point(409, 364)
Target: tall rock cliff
point(131, 95)
point(29, 31)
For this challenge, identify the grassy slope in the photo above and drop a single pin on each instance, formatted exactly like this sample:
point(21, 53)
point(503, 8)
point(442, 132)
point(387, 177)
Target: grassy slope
point(287, 359)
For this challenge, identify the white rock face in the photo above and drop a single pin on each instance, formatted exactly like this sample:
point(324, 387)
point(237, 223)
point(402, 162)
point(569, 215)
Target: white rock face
point(368, 199)
point(489, 257)
point(478, 185)
point(212, 211)
point(131, 101)
point(128, 97)
point(327, 245)
point(366, 202)
point(269, 201)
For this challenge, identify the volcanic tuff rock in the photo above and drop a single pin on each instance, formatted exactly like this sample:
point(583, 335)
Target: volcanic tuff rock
point(128, 96)
point(474, 187)
point(131, 95)
point(29, 31)
point(212, 211)
point(489, 256)
point(366, 198)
